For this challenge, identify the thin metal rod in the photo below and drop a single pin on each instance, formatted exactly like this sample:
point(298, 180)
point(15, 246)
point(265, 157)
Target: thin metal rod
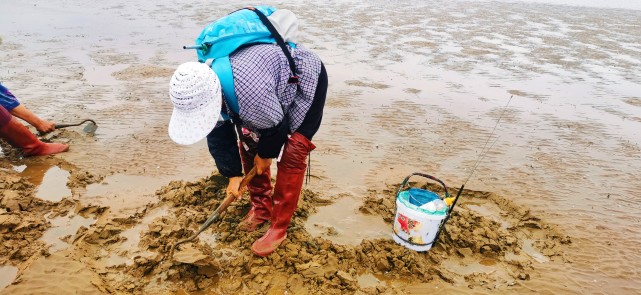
point(485, 148)
point(221, 208)
point(76, 124)
point(479, 160)
point(193, 47)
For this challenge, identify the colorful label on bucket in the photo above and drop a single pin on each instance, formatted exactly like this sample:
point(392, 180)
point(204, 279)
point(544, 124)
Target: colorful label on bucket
point(409, 229)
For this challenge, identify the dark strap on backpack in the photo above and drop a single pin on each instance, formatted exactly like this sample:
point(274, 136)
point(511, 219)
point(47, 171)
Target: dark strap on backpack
point(293, 79)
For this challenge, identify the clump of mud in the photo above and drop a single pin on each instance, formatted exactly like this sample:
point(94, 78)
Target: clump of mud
point(475, 233)
point(81, 179)
point(302, 263)
point(9, 151)
point(22, 220)
point(130, 254)
point(221, 261)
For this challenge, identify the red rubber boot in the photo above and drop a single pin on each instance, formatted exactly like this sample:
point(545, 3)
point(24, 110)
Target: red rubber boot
point(289, 182)
point(20, 137)
point(260, 190)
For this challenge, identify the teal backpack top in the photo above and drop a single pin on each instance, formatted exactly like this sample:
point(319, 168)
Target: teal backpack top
point(247, 26)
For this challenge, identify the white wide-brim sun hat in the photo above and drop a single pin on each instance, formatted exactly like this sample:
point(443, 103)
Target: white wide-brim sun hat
point(195, 92)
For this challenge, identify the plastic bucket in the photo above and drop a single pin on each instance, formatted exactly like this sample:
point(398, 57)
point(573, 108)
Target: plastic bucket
point(416, 228)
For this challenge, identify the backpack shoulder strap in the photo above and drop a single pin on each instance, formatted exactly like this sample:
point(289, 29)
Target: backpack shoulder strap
point(221, 67)
point(293, 79)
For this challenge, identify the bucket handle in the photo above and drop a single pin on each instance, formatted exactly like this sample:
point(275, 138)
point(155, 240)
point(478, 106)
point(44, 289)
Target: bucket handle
point(404, 183)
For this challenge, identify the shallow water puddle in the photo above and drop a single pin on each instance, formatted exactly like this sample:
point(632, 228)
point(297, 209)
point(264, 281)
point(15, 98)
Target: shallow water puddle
point(33, 171)
point(8, 273)
point(139, 190)
point(487, 262)
point(62, 226)
point(342, 223)
point(52, 184)
point(55, 274)
point(529, 249)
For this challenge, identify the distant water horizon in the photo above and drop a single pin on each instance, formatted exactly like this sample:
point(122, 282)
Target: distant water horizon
point(620, 4)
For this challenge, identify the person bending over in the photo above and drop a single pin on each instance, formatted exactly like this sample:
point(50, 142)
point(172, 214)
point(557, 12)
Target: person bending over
point(273, 113)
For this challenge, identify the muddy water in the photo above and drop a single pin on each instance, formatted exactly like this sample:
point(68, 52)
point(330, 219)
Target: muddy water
point(123, 192)
point(54, 185)
point(7, 275)
point(342, 223)
point(414, 87)
point(61, 227)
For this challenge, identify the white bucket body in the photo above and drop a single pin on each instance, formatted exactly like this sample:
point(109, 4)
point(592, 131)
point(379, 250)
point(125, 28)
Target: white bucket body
point(413, 229)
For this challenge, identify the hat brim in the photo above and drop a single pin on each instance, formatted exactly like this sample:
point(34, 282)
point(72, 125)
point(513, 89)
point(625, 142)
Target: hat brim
point(190, 127)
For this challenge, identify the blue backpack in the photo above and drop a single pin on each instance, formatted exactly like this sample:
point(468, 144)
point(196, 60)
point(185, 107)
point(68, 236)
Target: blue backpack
point(244, 27)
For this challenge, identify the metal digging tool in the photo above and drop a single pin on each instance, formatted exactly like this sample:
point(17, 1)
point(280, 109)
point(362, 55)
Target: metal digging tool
point(90, 128)
point(221, 208)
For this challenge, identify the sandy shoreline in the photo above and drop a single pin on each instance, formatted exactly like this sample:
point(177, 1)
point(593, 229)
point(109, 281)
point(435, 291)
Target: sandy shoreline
point(417, 93)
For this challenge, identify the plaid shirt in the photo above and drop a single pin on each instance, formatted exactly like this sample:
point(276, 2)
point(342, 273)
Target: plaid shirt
point(260, 81)
point(261, 73)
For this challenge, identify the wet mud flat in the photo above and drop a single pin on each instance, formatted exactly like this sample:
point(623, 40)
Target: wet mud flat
point(568, 148)
point(490, 244)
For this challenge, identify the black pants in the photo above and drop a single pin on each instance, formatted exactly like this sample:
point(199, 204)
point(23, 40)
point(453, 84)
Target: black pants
point(314, 115)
